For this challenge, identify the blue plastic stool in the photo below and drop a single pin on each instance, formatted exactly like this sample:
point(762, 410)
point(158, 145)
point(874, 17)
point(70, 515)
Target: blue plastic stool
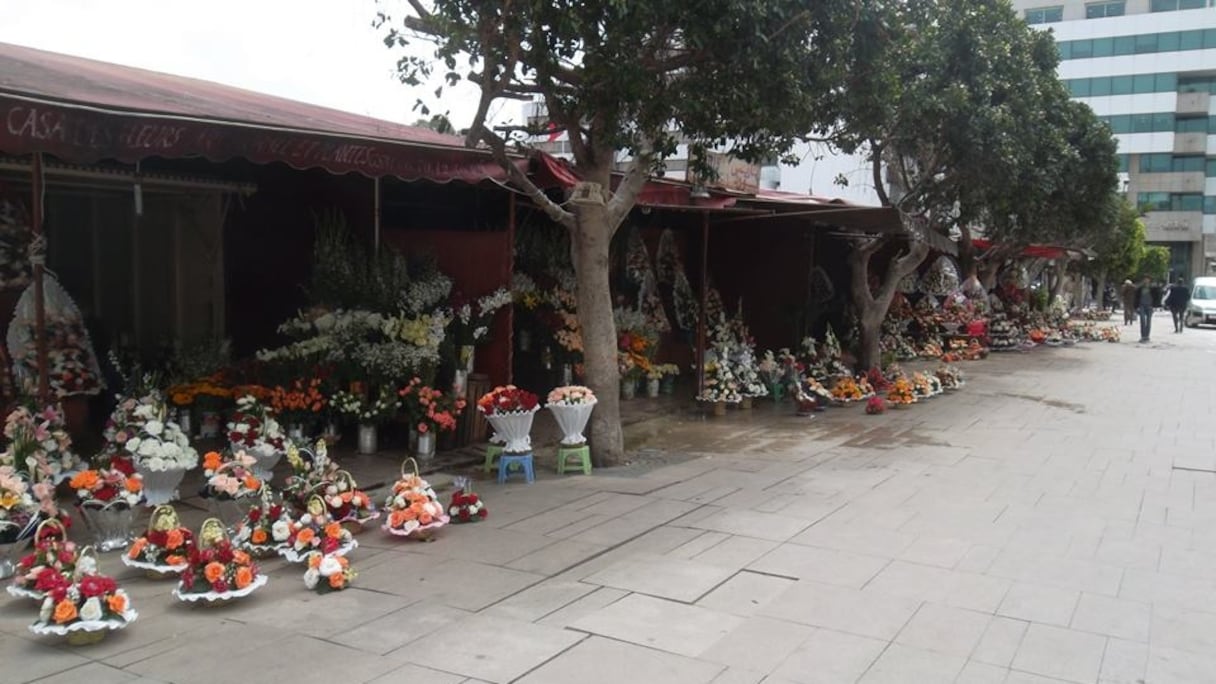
point(582, 454)
point(493, 451)
point(507, 460)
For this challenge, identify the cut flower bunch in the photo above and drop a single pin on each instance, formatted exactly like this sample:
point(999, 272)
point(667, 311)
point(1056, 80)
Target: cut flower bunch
point(38, 441)
point(254, 428)
point(327, 572)
point(507, 399)
point(104, 485)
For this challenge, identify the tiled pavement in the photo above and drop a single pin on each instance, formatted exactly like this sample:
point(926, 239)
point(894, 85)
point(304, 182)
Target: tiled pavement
point(1051, 522)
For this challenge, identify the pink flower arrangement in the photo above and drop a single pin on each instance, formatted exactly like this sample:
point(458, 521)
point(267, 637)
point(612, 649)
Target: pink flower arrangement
point(571, 395)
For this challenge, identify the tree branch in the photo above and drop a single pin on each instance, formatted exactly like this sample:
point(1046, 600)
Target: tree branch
point(520, 179)
point(626, 194)
point(879, 186)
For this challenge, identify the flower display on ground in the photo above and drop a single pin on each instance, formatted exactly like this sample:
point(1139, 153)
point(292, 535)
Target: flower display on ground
point(166, 544)
point(265, 528)
point(52, 562)
point(216, 569)
point(17, 505)
point(254, 428)
point(89, 602)
point(901, 391)
point(466, 505)
point(876, 405)
point(413, 507)
point(38, 441)
point(328, 572)
point(230, 478)
point(138, 429)
point(117, 483)
point(315, 530)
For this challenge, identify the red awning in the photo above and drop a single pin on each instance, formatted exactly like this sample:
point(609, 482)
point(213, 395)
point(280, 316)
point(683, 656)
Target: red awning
point(85, 111)
point(1034, 251)
point(550, 172)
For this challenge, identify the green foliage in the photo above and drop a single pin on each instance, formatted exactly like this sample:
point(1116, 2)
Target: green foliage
point(747, 74)
point(1156, 263)
point(962, 102)
point(345, 275)
point(1120, 255)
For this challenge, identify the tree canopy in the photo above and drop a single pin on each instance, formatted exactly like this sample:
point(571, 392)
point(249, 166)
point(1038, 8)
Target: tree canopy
point(747, 76)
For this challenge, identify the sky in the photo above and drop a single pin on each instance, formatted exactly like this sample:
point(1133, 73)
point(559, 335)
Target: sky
point(323, 52)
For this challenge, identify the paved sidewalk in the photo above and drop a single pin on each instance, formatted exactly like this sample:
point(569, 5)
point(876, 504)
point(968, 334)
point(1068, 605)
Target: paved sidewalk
point(1050, 522)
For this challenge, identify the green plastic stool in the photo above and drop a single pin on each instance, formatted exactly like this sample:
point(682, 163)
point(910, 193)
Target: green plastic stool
point(493, 451)
point(582, 452)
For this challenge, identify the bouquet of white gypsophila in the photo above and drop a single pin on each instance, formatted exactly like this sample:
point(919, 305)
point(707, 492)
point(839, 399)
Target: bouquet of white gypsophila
point(138, 429)
point(324, 335)
point(366, 410)
point(427, 293)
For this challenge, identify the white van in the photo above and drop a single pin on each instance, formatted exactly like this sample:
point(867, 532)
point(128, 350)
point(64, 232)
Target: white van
point(1202, 307)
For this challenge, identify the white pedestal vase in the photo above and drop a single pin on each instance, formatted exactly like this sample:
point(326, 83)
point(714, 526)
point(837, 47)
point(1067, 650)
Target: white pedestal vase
point(572, 419)
point(515, 428)
point(368, 443)
point(265, 459)
point(160, 486)
point(109, 522)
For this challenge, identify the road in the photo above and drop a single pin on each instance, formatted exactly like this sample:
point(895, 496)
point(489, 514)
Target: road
point(1053, 521)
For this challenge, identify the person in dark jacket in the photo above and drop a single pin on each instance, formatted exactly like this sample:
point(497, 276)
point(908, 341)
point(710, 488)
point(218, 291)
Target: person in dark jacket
point(1176, 299)
point(1128, 294)
point(1144, 307)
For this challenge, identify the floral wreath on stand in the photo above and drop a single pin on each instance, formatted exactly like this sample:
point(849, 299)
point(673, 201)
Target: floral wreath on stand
point(315, 530)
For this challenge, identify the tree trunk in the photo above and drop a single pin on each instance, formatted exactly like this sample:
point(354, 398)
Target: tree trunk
point(870, 326)
point(590, 247)
point(871, 308)
point(967, 265)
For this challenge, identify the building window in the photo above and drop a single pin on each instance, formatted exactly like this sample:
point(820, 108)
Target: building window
point(1154, 163)
point(1199, 125)
point(1166, 201)
point(1187, 164)
point(1045, 15)
point(1097, 10)
point(1209, 205)
point(1125, 163)
point(1210, 171)
point(1173, 5)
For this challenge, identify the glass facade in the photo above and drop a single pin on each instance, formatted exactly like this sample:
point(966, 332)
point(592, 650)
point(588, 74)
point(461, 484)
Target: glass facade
point(1172, 41)
point(1105, 85)
point(1168, 163)
point(1175, 5)
point(1170, 201)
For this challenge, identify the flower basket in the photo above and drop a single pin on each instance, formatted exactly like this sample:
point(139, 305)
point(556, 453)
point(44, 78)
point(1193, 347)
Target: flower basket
point(345, 502)
point(572, 419)
point(162, 551)
point(515, 427)
point(84, 608)
point(412, 509)
point(110, 523)
point(328, 572)
point(265, 458)
point(217, 573)
point(316, 531)
point(160, 486)
point(466, 506)
point(52, 553)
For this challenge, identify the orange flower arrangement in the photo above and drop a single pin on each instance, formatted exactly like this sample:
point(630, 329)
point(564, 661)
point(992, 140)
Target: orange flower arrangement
point(334, 570)
point(164, 547)
point(217, 569)
point(316, 530)
point(90, 603)
point(300, 403)
point(413, 507)
point(65, 612)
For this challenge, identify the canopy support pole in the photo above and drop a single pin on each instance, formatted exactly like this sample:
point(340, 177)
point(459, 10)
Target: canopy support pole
point(701, 322)
point(38, 260)
point(376, 215)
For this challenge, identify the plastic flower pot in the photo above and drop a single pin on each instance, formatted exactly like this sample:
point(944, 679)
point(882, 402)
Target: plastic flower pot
point(652, 388)
point(160, 486)
point(367, 439)
point(515, 427)
point(572, 419)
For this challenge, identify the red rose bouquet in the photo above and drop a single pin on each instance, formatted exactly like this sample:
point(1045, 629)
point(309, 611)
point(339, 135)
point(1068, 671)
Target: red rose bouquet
point(466, 505)
point(164, 548)
point(54, 558)
point(216, 570)
point(876, 405)
point(507, 399)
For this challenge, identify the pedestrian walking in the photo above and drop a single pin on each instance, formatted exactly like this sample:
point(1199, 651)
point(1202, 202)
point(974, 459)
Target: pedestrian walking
point(1128, 294)
point(1144, 307)
point(1176, 299)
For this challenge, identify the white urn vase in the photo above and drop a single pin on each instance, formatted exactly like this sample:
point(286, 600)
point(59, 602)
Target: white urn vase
point(160, 486)
point(515, 428)
point(572, 419)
